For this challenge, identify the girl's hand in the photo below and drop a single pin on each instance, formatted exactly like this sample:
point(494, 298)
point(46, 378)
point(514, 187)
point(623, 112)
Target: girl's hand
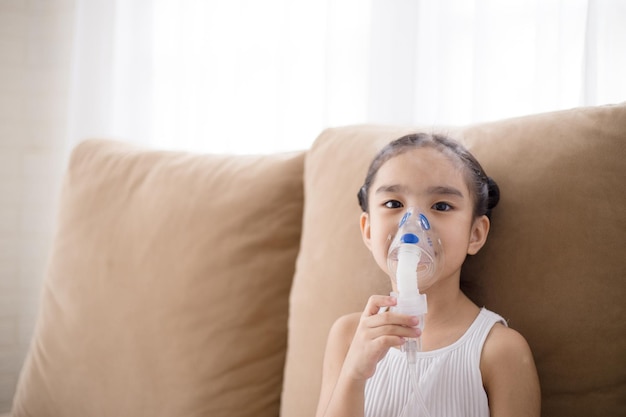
point(355, 345)
point(375, 334)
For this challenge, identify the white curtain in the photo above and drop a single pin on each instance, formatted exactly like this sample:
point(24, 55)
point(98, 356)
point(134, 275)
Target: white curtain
point(247, 76)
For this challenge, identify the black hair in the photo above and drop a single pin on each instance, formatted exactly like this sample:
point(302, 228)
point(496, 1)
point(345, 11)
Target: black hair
point(483, 188)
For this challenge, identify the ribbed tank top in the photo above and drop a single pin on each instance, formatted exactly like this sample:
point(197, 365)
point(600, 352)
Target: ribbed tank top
point(449, 378)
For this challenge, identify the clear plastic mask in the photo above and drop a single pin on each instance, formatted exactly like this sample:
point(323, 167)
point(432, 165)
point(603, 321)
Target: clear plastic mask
point(415, 234)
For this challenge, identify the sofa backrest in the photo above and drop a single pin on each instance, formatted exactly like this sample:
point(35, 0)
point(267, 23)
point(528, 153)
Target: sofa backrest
point(167, 288)
point(149, 308)
point(554, 265)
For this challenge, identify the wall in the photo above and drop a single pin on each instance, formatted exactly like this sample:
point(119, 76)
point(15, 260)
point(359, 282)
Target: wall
point(35, 46)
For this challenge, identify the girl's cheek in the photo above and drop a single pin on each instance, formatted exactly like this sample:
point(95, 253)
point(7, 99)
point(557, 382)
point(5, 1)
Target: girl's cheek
point(386, 241)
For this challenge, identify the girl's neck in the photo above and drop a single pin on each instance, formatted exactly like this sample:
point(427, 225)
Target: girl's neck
point(448, 307)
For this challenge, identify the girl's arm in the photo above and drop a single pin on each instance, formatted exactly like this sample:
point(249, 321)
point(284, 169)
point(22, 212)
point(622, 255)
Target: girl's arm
point(509, 374)
point(355, 345)
point(337, 347)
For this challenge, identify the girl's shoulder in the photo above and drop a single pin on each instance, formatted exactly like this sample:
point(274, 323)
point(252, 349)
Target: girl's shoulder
point(504, 344)
point(508, 370)
point(344, 327)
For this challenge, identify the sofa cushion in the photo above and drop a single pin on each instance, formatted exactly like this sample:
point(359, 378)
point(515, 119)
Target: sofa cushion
point(553, 265)
point(167, 288)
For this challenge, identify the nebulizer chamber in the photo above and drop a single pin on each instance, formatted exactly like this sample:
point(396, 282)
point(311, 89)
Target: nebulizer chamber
point(414, 257)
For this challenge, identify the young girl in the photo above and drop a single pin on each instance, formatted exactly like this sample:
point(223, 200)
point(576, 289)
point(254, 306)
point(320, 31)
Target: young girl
point(471, 363)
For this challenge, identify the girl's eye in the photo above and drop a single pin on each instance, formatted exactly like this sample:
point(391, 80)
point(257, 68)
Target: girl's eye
point(442, 206)
point(393, 204)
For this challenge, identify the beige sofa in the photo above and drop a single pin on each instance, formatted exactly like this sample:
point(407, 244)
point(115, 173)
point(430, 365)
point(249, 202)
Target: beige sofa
point(204, 285)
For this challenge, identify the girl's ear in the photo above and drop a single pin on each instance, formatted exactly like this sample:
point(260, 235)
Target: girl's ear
point(478, 235)
point(365, 229)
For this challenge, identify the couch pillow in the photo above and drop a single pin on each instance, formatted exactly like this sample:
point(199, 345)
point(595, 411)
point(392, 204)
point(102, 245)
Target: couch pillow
point(553, 265)
point(167, 288)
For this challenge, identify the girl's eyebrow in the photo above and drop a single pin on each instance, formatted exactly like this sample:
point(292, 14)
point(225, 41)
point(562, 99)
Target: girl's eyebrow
point(445, 190)
point(434, 190)
point(394, 188)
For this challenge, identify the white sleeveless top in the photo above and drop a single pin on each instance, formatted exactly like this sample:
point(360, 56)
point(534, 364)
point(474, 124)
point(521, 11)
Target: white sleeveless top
point(449, 378)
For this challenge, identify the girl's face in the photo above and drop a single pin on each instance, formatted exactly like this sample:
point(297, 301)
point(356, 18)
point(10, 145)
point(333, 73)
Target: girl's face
point(428, 180)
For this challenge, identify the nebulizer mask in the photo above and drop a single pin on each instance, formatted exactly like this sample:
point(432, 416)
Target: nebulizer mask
point(414, 260)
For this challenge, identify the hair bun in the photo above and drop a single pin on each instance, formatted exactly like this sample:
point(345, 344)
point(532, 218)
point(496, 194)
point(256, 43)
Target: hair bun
point(362, 197)
point(494, 193)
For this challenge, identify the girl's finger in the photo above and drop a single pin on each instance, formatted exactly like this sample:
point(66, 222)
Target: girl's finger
point(389, 318)
point(376, 302)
